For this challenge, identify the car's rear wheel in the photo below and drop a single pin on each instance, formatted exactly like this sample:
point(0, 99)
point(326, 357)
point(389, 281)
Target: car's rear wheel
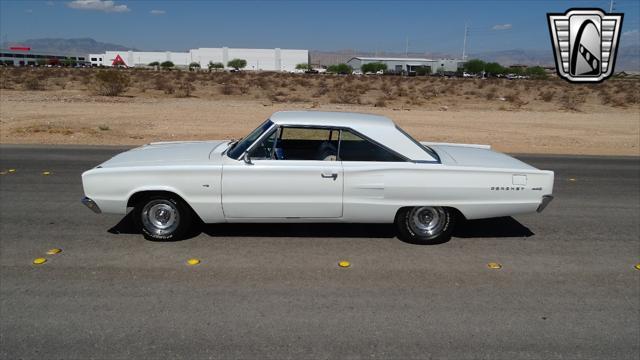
point(425, 224)
point(163, 217)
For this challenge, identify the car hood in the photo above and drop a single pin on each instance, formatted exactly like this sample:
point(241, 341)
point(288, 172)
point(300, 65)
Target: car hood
point(477, 156)
point(165, 153)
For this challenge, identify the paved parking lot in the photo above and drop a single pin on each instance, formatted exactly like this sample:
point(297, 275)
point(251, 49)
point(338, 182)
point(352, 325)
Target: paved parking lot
point(567, 287)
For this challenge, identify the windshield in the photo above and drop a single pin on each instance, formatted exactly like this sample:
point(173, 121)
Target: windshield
point(241, 146)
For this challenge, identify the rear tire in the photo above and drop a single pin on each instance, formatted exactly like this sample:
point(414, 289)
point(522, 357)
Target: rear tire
point(426, 225)
point(163, 218)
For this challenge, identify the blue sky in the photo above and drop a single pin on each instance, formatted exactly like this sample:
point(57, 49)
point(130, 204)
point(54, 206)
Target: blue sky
point(431, 26)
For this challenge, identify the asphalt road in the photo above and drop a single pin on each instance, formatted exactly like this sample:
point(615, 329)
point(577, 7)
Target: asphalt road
point(567, 289)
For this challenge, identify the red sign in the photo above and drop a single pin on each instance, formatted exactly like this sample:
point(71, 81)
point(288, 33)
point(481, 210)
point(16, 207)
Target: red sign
point(20, 48)
point(118, 61)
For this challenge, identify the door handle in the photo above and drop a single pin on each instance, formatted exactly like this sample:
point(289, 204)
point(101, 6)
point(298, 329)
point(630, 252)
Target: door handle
point(328, 175)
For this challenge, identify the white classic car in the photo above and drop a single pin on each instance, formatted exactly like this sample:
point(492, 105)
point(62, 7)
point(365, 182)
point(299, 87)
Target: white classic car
point(308, 166)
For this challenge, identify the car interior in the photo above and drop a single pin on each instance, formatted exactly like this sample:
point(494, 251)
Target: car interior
point(298, 143)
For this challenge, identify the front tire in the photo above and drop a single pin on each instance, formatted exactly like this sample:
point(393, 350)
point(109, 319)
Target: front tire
point(427, 225)
point(163, 218)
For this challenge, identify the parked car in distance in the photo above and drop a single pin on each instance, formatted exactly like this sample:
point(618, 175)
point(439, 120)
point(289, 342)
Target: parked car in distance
point(308, 166)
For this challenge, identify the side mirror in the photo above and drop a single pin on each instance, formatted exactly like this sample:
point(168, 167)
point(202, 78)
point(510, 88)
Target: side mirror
point(247, 158)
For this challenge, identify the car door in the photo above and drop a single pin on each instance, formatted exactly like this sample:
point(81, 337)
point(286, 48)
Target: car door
point(291, 173)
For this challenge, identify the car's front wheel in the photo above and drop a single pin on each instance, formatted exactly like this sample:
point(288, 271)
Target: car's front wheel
point(163, 218)
point(427, 225)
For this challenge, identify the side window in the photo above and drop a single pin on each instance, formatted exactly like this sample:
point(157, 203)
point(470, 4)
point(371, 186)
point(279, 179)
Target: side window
point(302, 143)
point(355, 148)
point(265, 150)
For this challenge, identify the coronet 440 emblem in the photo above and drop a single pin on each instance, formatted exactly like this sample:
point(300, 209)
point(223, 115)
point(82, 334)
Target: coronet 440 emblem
point(507, 188)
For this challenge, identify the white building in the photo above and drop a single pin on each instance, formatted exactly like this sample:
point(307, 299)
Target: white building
point(408, 65)
point(257, 59)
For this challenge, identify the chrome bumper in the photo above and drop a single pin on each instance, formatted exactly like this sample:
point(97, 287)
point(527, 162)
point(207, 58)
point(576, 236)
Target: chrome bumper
point(546, 199)
point(91, 205)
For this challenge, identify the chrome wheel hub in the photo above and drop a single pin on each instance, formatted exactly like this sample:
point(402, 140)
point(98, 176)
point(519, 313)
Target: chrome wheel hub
point(160, 217)
point(427, 221)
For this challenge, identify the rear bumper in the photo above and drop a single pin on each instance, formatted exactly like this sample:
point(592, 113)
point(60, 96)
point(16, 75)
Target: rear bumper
point(546, 199)
point(91, 205)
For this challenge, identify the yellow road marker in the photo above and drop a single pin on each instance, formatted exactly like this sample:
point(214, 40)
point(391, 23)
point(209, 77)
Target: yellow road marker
point(12, 170)
point(54, 251)
point(344, 264)
point(572, 179)
point(193, 261)
point(494, 265)
point(39, 261)
point(45, 173)
point(637, 266)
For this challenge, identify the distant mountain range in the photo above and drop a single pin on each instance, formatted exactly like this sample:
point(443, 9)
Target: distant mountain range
point(68, 46)
point(628, 57)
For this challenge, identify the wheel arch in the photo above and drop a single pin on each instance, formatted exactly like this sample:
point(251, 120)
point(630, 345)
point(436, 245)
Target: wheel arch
point(141, 194)
point(455, 212)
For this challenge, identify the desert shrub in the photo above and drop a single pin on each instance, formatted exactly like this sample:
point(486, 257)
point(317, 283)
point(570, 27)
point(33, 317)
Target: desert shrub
point(185, 88)
point(168, 88)
point(572, 100)
point(159, 82)
point(491, 93)
point(244, 89)
point(228, 89)
point(345, 95)
point(515, 100)
point(380, 102)
point(547, 95)
point(110, 82)
point(33, 83)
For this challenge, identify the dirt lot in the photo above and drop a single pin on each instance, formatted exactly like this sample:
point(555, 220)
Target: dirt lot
point(526, 116)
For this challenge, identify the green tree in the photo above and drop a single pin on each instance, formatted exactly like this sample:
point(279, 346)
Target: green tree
point(515, 70)
point(536, 72)
point(194, 65)
point(167, 65)
point(373, 67)
point(474, 66)
point(68, 62)
point(303, 66)
point(154, 64)
point(340, 69)
point(237, 63)
point(215, 66)
point(494, 68)
point(423, 70)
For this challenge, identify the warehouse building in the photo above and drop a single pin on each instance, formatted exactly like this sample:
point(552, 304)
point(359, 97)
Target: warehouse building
point(257, 59)
point(24, 56)
point(409, 65)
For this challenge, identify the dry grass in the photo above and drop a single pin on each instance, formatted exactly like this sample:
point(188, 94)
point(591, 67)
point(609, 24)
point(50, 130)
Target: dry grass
point(317, 90)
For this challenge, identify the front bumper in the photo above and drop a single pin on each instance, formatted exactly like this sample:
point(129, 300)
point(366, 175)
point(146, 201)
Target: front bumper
point(546, 199)
point(91, 205)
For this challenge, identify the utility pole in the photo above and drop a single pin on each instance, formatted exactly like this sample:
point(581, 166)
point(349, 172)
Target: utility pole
point(464, 43)
point(611, 6)
point(406, 48)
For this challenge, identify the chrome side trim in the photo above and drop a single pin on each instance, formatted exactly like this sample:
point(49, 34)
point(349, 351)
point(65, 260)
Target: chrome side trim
point(546, 199)
point(91, 205)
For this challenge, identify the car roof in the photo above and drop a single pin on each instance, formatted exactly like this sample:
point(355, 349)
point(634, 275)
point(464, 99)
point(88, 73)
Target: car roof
point(330, 118)
point(378, 128)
